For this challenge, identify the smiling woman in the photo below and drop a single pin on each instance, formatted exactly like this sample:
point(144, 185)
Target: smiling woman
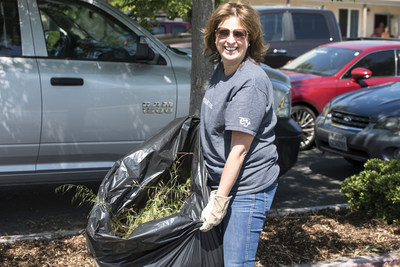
point(248, 24)
point(231, 47)
point(237, 132)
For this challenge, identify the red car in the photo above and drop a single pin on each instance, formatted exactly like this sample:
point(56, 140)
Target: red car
point(336, 68)
point(172, 27)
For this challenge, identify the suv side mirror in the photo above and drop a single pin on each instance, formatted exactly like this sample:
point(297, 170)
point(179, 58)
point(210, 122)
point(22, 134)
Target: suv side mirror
point(144, 53)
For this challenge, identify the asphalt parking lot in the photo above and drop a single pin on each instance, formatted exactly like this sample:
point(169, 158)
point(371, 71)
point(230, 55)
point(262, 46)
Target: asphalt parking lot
point(314, 181)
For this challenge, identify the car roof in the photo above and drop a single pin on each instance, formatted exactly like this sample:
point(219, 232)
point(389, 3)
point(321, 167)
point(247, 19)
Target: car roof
point(365, 44)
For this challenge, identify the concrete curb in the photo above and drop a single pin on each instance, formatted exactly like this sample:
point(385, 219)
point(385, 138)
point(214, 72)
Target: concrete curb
point(282, 212)
point(387, 259)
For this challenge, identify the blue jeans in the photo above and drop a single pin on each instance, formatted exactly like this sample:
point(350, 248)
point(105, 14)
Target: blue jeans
point(242, 226)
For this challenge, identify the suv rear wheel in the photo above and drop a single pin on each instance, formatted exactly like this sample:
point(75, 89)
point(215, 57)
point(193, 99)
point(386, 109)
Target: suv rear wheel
point(305, 118)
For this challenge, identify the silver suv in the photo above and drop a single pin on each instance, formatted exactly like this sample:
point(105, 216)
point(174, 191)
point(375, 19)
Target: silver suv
point(82, 85)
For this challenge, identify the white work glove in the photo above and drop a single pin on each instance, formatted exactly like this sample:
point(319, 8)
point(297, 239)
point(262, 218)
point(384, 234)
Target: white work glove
point(214, 212)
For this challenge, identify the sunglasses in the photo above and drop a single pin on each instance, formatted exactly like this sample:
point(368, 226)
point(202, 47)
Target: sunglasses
point(238, 34)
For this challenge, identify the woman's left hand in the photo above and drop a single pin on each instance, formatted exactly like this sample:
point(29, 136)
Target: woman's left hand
point(214, 212)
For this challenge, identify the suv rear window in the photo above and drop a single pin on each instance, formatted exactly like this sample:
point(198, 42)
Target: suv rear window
point(10, 33)
point(273, 26)
point(310, 26)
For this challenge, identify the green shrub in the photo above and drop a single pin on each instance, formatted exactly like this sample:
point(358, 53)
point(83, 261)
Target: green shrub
point(375, 190)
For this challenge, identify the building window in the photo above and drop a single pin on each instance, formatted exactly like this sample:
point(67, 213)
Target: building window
point(349, 21)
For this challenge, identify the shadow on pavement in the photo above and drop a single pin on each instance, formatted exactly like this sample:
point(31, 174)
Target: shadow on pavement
point(315, 180)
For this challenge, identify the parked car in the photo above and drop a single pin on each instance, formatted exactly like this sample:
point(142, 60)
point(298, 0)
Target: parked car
point(169, 27)
point(292, 31)
point(174, 34)
point(82, 85)
point(362, 124)
point(333, 69)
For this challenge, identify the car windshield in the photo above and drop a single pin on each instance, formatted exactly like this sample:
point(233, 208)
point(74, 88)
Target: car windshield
point(323, 61)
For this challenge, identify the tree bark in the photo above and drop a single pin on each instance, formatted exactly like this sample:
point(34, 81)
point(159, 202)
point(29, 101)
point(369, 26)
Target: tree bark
point(202, 69)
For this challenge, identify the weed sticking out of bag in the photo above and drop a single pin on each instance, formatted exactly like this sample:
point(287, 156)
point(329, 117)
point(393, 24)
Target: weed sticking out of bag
point(165, 198)
point(83, 195)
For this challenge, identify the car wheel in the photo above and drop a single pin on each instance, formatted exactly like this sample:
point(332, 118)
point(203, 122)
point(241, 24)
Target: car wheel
point(305, 118)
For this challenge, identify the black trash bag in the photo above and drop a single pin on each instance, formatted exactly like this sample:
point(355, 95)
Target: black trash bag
point(170, 241)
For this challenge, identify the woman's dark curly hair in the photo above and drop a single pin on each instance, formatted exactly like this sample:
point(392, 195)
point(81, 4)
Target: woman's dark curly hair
point(250, 20)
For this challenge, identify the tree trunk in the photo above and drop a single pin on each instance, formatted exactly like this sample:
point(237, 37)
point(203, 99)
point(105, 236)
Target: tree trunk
point(201, 68)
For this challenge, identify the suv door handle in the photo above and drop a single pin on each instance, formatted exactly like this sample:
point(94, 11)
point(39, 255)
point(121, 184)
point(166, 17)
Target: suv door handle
point(279, 51)
point(65, 81)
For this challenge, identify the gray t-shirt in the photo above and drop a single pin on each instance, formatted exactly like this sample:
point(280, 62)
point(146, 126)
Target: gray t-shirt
point(242, 101)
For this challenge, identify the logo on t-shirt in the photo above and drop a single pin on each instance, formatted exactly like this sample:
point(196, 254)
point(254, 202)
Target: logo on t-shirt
point(244, 121)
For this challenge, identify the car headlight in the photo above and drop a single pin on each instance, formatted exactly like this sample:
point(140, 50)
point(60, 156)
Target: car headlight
point(326, 110)
point(389, 123)
point(283, 109)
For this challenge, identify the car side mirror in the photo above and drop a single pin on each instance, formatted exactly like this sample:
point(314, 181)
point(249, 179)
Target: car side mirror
point(144, 53)
point(361, 73)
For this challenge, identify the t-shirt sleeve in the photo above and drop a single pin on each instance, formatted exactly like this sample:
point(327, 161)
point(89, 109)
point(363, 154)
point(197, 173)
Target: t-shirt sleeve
point(246, 111)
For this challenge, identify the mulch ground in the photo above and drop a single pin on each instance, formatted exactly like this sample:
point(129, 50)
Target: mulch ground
point(287, 240)
point(323, 236)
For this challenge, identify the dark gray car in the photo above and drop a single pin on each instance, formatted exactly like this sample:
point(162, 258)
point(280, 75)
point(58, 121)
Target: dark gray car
point(362, 124)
